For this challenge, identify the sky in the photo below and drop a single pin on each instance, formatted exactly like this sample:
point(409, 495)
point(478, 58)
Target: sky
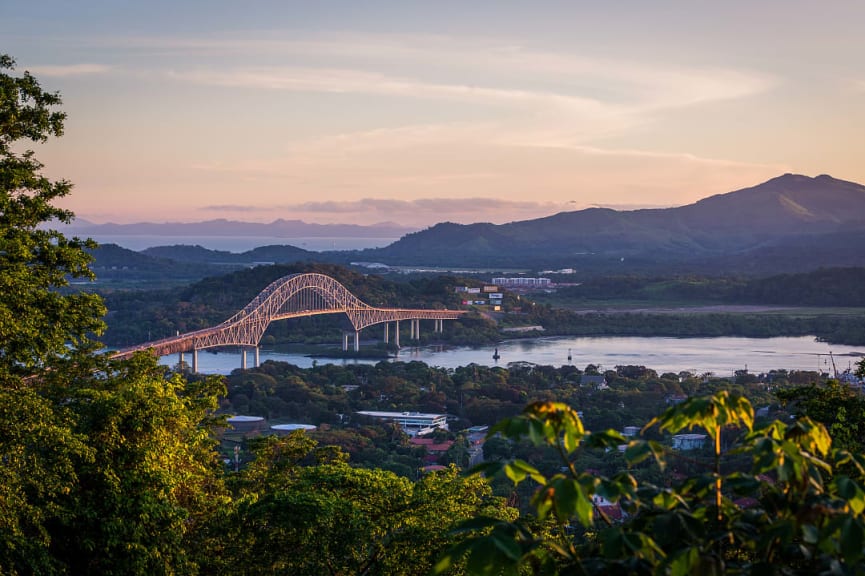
point(422, 112)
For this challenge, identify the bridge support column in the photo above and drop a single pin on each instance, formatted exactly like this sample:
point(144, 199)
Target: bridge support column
point(242, 358)
point(345, 341)
point(195, 360)
point(386, 329)
point(257, 358)
point(180, 362)
point(415, 333)
point(357, 340)
point(396, 334)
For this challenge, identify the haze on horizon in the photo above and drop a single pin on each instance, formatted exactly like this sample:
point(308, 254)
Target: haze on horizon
point(418, 113)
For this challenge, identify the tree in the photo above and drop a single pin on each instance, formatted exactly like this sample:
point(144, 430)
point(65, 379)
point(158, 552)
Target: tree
point(106, 467)
point(150, 479)
point(837, 406)
point(37, 322)
point(803, 510)
point(294, 516)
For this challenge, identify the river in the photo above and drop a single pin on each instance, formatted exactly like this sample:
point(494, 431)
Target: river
point(721, 356)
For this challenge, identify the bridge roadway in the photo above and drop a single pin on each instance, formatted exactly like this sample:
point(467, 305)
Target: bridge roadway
point(292, 296)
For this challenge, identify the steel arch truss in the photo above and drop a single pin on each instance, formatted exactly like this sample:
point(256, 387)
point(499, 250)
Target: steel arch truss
point(291, 296)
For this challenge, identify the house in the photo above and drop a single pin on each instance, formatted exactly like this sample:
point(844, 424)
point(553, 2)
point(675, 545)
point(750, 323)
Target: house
point(434, 449)
point(612, 511)
point(598, 381)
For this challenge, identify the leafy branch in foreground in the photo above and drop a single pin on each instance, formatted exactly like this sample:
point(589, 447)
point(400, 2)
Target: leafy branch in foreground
point(787, 510)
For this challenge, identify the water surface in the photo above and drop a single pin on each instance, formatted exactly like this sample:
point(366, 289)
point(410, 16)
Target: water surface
point(721, 356)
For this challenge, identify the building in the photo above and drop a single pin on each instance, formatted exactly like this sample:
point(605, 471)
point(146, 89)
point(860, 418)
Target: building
point(247, 424)
point(598, 381)
point(412, 423)
point(433, 449)
point(688, 441)
point(522, 282)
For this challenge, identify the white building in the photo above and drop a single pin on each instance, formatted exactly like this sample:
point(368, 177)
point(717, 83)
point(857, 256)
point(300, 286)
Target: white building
point(412, 423)
point(522, 282)
point(688, 441)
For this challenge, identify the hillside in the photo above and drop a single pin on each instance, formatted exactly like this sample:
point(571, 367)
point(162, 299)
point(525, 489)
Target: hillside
point(753, 225)
point(276, 254)
point(117, 267)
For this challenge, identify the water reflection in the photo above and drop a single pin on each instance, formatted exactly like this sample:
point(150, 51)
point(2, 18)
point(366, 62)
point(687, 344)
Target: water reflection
point(721, 356)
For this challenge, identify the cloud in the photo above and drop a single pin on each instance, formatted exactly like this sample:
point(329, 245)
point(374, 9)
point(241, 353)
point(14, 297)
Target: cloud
point(361, 82)
point(393, 57)
point(417, 212)
point(68, 70)
point(479, 70)
point(426, 205)
point(229, 208)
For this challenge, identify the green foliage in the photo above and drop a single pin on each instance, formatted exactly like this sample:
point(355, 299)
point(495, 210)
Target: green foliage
point(151, 476)
point(37, 322)
point(836, 406)
point(39, 455)
point(801, 513)
point(294, 516)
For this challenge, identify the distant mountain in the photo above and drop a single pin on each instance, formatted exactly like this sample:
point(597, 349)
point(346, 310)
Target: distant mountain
point(220, 227)
point(781, 216)
point(275, 254)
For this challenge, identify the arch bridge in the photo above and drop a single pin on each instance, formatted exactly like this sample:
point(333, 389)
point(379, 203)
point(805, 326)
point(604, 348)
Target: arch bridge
point(292, 296)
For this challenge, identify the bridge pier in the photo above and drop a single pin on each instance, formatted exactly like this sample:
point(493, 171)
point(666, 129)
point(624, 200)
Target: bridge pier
point(195, 361)
point(386, 329)
point(242, 358)
point(396, 335)
point(180, 362)
point(346, 335)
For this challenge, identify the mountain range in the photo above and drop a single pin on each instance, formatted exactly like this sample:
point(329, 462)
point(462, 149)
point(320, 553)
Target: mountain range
point(792, 223)
point(789, 218)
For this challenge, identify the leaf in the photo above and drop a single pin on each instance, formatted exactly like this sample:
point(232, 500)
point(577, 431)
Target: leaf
point(810, 534)
point(852, 536)
point(518, 470)
point(637, 451)
point(851, 492)
point(684, 562)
